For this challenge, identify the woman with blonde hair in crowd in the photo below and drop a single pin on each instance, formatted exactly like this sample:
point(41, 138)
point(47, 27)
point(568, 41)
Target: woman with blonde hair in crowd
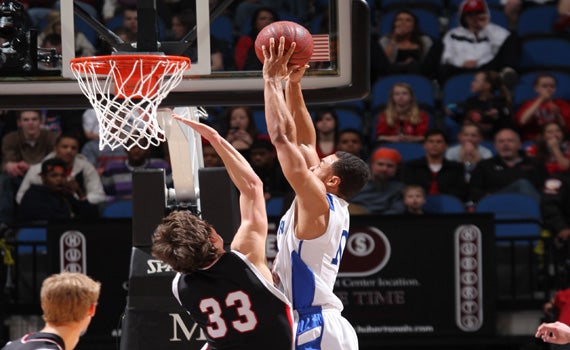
point(402, 120)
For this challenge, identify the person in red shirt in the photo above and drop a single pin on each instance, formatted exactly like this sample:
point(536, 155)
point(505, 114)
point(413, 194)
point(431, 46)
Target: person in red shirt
point(402, 120)
point(542, 109)
point(244, 52)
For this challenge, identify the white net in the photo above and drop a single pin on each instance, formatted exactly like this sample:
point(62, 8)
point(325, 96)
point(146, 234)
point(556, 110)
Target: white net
point(126, 91)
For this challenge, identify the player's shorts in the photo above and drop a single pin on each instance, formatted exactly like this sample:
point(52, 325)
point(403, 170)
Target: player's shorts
point(326, 330)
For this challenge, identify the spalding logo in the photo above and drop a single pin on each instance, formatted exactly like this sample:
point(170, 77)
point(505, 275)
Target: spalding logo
point(367, 251)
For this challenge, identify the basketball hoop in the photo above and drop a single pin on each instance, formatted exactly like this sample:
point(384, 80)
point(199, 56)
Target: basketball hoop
point(125, 91)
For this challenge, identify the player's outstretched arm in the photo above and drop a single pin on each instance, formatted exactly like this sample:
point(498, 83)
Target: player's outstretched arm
point(555, 333)
point(310, 191)
point(251, 235)
point(306, 135)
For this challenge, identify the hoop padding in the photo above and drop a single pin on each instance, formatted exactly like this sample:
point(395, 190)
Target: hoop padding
point(125, 91)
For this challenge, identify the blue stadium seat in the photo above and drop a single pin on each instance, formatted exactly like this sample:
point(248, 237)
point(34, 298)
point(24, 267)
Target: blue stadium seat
point(537, 20)
point(260, 123)
point(118, 209)
point(421, 85)
point(443, 204)
point(545, 53)
point(31, 234)
point(348, 119)
point(223, 28)
point(274, 206)
point(434, 5)
point(515, 214)
point(427, 20)
point(457, 89)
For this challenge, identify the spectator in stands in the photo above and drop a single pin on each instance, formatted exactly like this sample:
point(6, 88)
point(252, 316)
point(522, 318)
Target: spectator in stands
point(83, 47)
point(555, 206)
point(552, 147)
point(542, 109)
point(117, 177)
point(68, 301)
point(405, 49)
point(99, 158)
point(21, 149)
point(414, 199)
point(510, 171)
point(53, 198)
point(240, 128)
point(513, 8)
point(350, 141)
point(490, 105)
point(434, 173)
point(130, 17)
point(82, 178)
point(263, 160)
point(402, 120)
point(382, 194)
point(477, 43)
point(562, 23)
point(469, 150)
point(555, 209)
point(326, 127)
point(210, 156)
point(181, 23)
point(244, 54)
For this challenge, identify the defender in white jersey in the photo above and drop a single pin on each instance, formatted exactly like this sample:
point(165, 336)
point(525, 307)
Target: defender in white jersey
point(313, 233)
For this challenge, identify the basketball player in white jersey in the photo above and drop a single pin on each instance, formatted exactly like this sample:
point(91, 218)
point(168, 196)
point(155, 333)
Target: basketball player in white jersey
point(312, 234)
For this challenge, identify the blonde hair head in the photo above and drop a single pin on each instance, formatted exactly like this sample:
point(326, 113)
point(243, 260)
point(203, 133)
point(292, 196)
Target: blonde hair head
point(413, 113)
point(67, 297)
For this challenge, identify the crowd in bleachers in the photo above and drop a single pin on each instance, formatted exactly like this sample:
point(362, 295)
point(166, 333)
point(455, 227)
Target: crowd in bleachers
point(469, 99)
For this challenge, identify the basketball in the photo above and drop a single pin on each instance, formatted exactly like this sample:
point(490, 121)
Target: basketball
point(292, 32)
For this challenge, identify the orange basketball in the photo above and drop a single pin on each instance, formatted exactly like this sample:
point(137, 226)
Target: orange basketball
point(292, 32)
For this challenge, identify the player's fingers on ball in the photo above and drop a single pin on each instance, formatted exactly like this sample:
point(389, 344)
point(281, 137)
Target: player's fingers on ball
point(281, 46)
point(271, 47)
point(291, 50)
point(265, 52)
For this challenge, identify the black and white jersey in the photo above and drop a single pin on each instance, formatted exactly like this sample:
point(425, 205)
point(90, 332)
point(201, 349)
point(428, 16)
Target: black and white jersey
point(235, 306)
point(36, 341)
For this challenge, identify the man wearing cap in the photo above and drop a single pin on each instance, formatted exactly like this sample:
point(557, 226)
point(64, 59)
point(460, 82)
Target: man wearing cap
point(52, 200)
point(382, 194)
point(477, 43)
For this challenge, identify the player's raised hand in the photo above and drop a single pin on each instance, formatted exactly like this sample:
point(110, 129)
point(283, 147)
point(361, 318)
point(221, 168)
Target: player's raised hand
point(276, 59)
point(206, 131)
point(296, 73)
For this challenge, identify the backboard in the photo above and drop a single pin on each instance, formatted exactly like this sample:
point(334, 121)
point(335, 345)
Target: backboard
point(342, 75)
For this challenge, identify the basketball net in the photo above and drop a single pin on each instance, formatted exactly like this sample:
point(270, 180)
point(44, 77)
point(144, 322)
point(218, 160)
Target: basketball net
point(125, 92)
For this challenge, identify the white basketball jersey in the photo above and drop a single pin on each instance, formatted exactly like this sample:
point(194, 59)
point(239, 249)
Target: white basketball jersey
point(307, 269)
